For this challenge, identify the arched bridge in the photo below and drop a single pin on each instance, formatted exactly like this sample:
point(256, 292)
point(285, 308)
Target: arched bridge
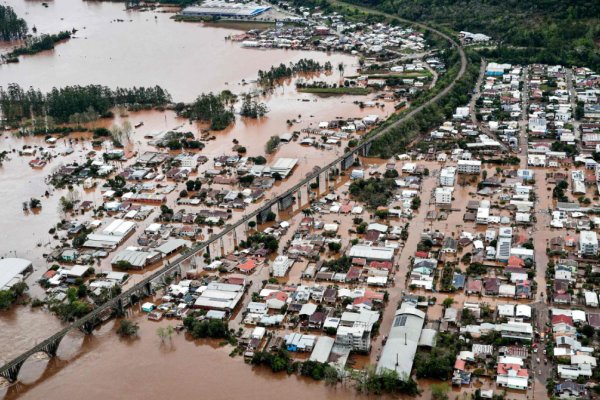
point(10, 370)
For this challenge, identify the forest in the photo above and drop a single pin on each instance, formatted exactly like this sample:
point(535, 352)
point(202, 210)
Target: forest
point(217, 109)
point(61, 104)
point(544, 31)
point(11, 26)
point(282, 71)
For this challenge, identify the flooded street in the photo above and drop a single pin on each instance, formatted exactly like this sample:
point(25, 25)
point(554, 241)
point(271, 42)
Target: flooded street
point(146, 368)
point(186, 59)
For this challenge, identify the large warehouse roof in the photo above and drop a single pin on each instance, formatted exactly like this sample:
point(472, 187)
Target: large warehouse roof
point(401, 346)
point(11, 270)
point(224, 9)
point(372, 252)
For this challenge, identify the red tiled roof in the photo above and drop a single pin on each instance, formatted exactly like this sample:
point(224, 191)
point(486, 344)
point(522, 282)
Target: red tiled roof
point(564, 319)
point(381, 265)
point(249, 265)
point(362, 300)
point(503, 369)
point(373, 295)
point(459, 364)
point(277, 295)
point(514, 261)
point(354, 273)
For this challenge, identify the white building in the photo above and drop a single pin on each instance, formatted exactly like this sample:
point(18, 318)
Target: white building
point(284, 166)
point(588, 243)
point(13, 270)
point(281, 265)
point(469, 167)
point(372, 253)
point(447, 176)
point(189, 162)
point(443, 195)
point(537, 125)
point(354, 330)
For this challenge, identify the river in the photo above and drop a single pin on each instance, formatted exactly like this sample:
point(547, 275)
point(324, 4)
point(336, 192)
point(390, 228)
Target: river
point(116, 47)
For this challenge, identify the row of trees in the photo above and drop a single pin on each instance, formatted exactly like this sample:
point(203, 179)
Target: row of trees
point(37, 44)
point(252, 109)
point(282, 71)
point(395, 140)
point(11, 26)
point(206, 328)
point(17, 104)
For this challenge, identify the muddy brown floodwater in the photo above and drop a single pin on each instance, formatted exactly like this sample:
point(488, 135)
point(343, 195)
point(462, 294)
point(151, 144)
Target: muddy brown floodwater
point(148, 369)
point(145, 49)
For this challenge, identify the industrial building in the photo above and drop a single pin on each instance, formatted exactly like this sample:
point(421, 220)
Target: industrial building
point(400, 349)
point(222, 9)
point(13, 270)
point(372, 253)
point(284, 166)
point(112, 236)
point(219, 296)
point(137, 259)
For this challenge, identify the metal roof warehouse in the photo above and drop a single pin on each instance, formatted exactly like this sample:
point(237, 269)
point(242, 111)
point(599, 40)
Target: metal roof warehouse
point(372, 253)
point(223, 9)
point(400, 349)
point(13, 270)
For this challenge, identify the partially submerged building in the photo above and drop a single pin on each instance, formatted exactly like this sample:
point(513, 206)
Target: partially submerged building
point(401, 346)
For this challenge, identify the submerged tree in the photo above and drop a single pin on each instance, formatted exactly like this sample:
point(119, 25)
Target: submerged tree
point(11, 26)
point(127, 328)
point(165, 332)
point(252, 109)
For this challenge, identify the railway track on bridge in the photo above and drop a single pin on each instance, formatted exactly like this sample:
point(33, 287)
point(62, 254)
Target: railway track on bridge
point(10, 370)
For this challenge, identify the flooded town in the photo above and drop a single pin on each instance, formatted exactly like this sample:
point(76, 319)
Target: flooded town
point(245, 199)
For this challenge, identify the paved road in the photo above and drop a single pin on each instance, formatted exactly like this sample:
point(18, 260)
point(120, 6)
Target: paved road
point(524, 122)
point(573, 98)
point(476, 95)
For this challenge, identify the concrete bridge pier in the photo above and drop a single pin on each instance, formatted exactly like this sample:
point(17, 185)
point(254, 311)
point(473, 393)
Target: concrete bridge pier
point(148, 288)
point(52, 347)
point(87, 327)
point(285, 202)
point(11, 374)
point(364, 150)
point(119, 308)
point(323, 181)
point(262, 216)
point(299, 198)
point(347, 162)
